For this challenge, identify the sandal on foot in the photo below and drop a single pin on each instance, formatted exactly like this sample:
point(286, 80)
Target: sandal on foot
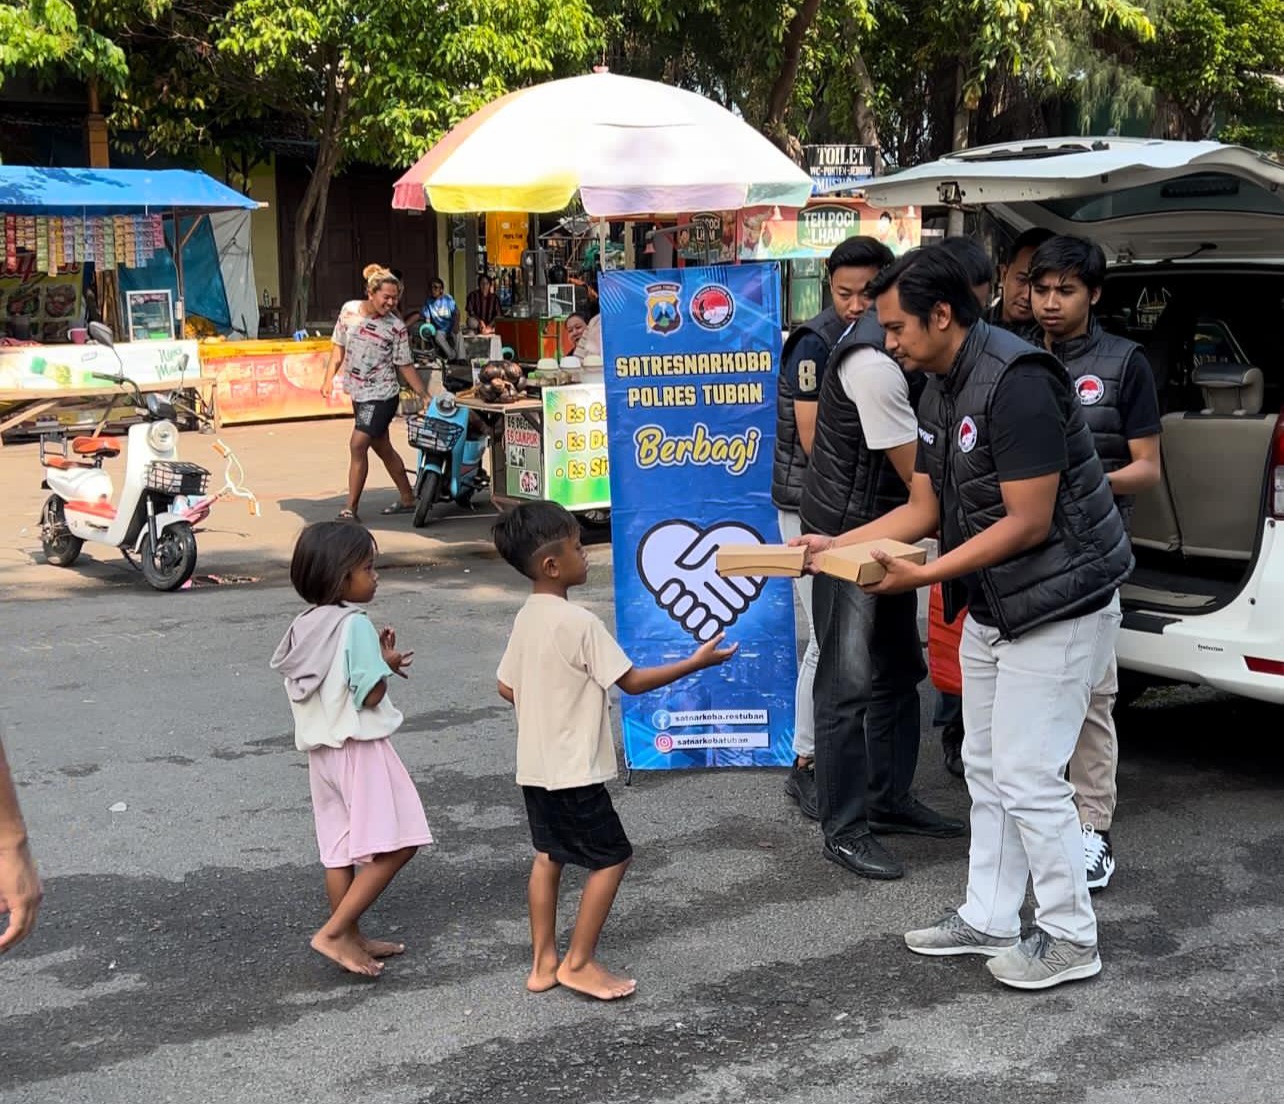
point(346, 515)
point(398, 508)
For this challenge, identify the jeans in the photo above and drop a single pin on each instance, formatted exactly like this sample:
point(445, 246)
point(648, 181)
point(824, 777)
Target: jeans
point(804, 714)
point(949, 709)
point(867, 707)
point(446, 343)
point(1024, 702)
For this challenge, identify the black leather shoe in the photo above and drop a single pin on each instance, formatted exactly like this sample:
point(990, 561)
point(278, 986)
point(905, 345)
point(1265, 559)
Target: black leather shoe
point(801, 786)
point(865, 856)
point(916, 819)
point(952, 749)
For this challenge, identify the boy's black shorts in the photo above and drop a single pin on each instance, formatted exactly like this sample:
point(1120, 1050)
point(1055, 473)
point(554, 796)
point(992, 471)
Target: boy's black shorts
point(578, 826)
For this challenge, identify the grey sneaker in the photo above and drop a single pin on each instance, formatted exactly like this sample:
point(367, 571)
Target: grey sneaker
point(952, 935)
point(1041, 961)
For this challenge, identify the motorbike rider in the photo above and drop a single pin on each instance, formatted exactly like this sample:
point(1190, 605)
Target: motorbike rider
point(802, 366)
point(870, 662)
point(1120, 402)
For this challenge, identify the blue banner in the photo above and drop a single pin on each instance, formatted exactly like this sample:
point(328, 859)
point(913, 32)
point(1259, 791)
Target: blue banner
point(691, 358)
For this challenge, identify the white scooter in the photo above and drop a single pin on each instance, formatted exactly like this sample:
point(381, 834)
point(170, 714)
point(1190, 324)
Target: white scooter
point(161, 500)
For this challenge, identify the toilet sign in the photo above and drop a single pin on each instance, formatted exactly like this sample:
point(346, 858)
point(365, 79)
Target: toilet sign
point(839, 164)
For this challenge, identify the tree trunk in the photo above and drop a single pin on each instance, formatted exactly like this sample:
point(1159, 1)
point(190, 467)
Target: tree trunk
point(309, 221)
point(782, 89)
point(863, 117)
point(959, 138)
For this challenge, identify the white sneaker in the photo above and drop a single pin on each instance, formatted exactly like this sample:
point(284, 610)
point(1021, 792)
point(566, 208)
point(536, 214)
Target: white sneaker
point(1097, 857)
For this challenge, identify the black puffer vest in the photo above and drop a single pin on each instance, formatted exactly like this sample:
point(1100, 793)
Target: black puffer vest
point(790, 462)
point(1086, 556)
point(1096, 362)
point(849, 484)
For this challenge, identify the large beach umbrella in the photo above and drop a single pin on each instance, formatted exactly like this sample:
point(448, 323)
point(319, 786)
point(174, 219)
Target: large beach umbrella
point(627, 146)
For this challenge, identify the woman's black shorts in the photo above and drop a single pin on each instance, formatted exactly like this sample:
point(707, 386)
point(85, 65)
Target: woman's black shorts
point(577, 826)
point(375, 416)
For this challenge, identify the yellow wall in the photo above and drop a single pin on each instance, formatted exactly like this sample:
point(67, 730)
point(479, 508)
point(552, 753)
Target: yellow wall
point(263, 224)
point(263, 231)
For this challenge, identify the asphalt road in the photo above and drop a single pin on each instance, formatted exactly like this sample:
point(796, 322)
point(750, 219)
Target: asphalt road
point(171, 960)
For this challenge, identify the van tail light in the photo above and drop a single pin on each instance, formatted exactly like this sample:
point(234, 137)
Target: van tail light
point(1275, 486)
point(1264, 666)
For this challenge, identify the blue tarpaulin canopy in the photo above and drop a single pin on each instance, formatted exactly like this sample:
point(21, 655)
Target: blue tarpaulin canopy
point(31, 191)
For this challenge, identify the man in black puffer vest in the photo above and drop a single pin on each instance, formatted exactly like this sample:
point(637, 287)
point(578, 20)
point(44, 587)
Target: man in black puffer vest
point(1013, 311)
point(1120, 403)
point(870, 662)
point(1032, 543)
point(851, 266)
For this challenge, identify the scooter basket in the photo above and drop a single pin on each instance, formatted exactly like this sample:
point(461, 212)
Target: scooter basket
point(433, 434)
point(176, 477)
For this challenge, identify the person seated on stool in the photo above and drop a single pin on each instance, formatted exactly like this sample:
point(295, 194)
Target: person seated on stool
point(482, 307)
point(441, 312)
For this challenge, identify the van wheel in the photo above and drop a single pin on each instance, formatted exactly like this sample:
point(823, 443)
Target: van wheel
point(60, 546)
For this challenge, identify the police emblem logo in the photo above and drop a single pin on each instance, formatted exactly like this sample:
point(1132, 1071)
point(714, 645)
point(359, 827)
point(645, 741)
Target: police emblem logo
point(967, 435)
point(1091, 390)
point(663, 311)
point(713, 307)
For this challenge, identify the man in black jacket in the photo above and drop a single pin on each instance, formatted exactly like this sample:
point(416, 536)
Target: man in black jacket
point(850, 267)
point(870, 661)
point(1032, 544)
point(1120, 403)
point(1014, 311)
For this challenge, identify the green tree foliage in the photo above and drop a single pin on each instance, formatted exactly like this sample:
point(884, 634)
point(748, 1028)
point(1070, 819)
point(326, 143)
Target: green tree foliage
point(379, 82)
point(1217, 63)
point(51, 38)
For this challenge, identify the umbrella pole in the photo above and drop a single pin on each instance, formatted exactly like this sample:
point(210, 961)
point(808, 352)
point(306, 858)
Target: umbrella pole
point(601, 244)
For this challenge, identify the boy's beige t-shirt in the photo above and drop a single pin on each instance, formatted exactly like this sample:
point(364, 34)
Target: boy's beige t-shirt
point(560, 662)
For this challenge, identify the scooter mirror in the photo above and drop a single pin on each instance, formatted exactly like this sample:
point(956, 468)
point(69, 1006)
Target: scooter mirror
point(100, 334)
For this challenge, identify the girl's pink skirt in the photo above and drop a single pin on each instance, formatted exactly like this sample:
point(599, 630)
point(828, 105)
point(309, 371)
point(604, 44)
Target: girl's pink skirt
point(364, 802)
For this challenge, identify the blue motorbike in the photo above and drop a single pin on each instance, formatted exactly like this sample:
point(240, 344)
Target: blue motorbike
point(450, 460)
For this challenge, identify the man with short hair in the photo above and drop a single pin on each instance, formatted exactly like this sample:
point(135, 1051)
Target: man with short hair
point(802, 367)
point(949, 707)
point(870, 661)
point(1032, 544)
point(1120, 402)
point(442, 314)
point(1014, 312)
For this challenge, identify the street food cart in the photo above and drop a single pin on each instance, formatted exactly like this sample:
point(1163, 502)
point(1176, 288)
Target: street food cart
point(58, 225)
point(628, 148)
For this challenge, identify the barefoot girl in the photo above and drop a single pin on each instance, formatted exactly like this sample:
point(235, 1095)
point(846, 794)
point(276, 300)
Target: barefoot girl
point(369, 818)
point(560, 662)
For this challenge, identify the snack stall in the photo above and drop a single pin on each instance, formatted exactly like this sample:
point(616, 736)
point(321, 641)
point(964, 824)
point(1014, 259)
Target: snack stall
point(68, 235)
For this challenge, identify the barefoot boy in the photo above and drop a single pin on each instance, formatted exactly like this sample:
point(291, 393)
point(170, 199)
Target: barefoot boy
point(559, 665)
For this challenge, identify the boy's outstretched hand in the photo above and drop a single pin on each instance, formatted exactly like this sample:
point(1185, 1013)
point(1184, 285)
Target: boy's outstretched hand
point(709, 654)
point(398, 661)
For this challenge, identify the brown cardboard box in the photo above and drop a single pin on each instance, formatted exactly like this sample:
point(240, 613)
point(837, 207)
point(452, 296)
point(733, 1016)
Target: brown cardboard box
point(761, 560)
point(854, 562)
